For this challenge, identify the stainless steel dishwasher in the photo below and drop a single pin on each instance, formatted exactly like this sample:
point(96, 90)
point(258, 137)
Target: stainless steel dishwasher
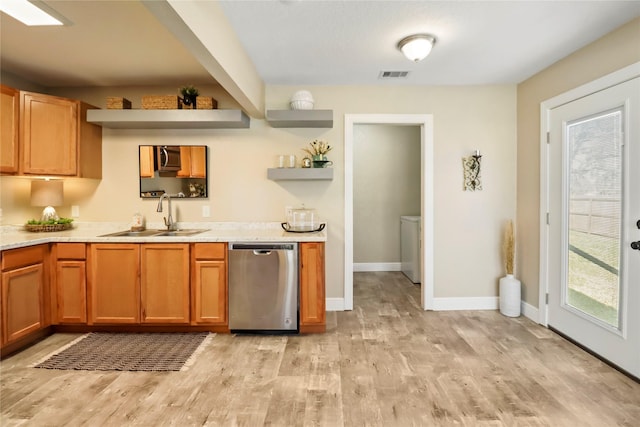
point(263, 287)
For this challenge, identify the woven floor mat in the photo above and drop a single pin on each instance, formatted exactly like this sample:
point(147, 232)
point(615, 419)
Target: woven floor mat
point(102, 351)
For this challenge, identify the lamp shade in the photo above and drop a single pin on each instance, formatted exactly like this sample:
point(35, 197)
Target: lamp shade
point(46, 193)
point(416, 47)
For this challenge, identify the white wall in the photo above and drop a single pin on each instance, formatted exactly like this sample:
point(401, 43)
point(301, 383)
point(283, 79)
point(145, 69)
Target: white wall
point(386, 185)
point(467, 225)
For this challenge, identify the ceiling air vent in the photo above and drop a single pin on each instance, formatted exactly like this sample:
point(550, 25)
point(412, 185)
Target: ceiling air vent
point(393, 74)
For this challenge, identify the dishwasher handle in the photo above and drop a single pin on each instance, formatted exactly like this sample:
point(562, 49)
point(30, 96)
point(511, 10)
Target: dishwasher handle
point(262, 247)
point(261, 252)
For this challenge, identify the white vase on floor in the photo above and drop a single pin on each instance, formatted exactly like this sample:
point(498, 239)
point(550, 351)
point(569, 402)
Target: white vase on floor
point(510, 296)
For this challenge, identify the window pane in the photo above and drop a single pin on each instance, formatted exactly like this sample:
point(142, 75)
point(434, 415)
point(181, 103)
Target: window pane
point(595, 190)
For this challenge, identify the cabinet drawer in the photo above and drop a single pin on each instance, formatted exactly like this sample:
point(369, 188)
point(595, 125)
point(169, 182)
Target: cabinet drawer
point(15, 258)
point(71, 251)
point(210, 250)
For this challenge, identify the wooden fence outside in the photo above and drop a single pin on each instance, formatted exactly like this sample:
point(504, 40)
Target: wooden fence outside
point(595, 215)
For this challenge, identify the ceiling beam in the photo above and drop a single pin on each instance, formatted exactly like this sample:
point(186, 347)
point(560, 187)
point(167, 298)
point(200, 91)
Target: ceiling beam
point(205, 31)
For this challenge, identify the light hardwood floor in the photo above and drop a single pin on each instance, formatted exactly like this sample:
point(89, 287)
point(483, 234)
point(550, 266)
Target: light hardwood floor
point(385, 363)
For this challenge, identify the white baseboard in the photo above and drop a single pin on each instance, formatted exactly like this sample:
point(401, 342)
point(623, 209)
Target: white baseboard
point(334, 304)
point(376, 266)
point(465, 303)
point(449, 304)
point(530, 311)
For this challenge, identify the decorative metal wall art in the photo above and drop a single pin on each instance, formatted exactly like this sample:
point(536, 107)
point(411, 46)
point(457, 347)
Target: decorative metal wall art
point(471, 167)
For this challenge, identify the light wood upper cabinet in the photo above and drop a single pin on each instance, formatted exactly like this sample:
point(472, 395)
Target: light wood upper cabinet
point(312, 288)
point(146, 161)
point(193, 162)
point(23, 292)
point(209, 284)
point(114, 283)
point(56, 139)
point(9, 130)
point(69, 283)
point(164, 283)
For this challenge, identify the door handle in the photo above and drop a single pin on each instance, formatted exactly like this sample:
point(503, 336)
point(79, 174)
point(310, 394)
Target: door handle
point(638, 224)
point(635, 245)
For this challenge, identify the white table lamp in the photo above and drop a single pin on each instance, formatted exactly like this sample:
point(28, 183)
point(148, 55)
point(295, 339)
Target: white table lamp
point(47, 193)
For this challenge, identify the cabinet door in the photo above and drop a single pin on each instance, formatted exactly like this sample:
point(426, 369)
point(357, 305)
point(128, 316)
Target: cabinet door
point(146, 161)
point(312, 292)
point(22, 301)
point(9, 126)
point(193, 162)
point(71, 291)
point(164, 283)
point(199, 162)
point(114, 283)
point(49, 131)
point(210, 292)
point(185, 162)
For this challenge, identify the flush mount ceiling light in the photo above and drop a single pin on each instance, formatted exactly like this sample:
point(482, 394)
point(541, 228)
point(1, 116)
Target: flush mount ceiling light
point(32, 13)
point(417, 46)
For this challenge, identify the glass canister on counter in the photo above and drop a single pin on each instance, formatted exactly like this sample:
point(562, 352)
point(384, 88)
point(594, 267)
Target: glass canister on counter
point(302, 220)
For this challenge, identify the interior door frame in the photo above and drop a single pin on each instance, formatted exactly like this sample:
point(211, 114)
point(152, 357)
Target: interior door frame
point(425, 121)
point(627, 73)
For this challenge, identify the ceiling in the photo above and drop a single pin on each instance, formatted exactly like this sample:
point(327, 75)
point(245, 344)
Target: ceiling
point(312, 42)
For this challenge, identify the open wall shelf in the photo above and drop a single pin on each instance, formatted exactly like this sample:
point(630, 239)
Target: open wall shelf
point(300, 174)
point(300, 118)
point(169, 119)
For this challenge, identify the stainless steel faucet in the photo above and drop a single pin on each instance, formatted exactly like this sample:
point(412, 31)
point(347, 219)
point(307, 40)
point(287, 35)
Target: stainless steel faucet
point(168, 220)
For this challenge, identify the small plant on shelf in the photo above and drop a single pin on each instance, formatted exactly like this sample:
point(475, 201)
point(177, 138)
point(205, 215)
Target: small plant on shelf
point(189, 91)
point(318, 149)
point(189, 95)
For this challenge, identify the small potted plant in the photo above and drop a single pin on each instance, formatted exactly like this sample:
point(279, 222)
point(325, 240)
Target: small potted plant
point(318, 151)
point(189, 95)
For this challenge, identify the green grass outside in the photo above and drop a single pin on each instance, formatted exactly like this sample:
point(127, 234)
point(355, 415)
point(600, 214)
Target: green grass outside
point(595, 308)
point(593, 289)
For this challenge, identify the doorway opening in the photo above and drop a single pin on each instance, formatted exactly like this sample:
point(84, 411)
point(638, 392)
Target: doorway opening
point(425, 123)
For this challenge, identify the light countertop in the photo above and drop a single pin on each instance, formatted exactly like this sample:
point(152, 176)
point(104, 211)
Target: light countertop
point(12, 237)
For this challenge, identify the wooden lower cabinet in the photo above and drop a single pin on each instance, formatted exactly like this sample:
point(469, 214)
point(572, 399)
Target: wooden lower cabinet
point(114, 283)
point(164, 283)
point(312, 288)
point(23, 292)
point(69, 283)
point(134, 284)
point(209, 284)
point(139, 283)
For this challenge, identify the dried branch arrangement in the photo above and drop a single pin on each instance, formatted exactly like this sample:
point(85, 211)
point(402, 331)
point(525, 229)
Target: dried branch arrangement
point(508, 248)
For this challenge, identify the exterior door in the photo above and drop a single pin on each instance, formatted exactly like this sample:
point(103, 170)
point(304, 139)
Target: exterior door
point(594, 209)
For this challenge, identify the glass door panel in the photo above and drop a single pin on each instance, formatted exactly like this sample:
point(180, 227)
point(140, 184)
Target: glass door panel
point(594, 155)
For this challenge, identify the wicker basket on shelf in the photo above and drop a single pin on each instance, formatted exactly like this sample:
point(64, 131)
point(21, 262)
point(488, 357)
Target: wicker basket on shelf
point(46, 227)
point(161, 102)
point(202, 103)
point(118, 103)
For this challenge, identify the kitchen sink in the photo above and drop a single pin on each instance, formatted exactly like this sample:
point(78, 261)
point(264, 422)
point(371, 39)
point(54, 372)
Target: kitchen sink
point(155, 233)
point(129, 233)
point(183, 232)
